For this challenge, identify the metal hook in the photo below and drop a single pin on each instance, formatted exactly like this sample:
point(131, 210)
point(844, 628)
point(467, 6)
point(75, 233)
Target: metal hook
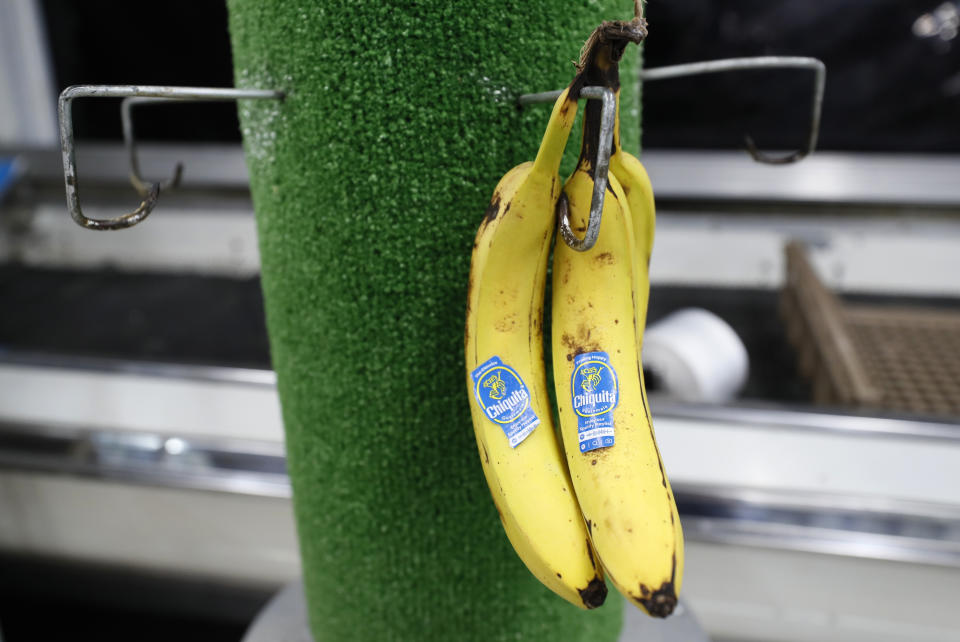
point(151, 190)
point(608, 117)
point(759, 62)
point(130, 142)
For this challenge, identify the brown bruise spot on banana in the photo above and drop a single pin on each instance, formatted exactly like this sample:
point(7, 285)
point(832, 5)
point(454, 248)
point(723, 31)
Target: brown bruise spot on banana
point(493, 210)
point(507, 323)
point(605, 258)
point(594, 594)
point(663, 601)
point(567, 270)
point(580, 343)
point(584, 331)
point(486, 457)
point(600, 455)
point(660, 602)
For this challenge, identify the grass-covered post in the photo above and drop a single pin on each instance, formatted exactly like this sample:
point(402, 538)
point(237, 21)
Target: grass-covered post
point(369, 181)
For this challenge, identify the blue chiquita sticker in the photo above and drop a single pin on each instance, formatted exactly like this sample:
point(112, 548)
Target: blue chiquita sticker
point(594, 394)
point(504, 399)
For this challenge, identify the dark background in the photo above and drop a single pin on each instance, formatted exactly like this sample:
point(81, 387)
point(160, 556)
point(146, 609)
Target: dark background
point(888, 89)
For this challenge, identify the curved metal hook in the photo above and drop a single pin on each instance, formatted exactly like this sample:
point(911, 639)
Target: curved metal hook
point(600, 169)
point(70, 173)
point(130, 141)
point(759, 62)
point(150, 191)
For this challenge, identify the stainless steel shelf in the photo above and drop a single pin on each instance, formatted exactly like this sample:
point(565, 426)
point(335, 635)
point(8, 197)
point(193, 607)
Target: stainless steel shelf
point(916, 532)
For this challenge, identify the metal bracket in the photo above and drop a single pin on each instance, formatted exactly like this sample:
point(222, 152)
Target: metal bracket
point(759, 62)
point(679, 71)
point(151, 191)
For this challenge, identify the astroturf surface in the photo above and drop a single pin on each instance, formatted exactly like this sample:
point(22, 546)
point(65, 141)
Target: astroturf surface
point(369, 181)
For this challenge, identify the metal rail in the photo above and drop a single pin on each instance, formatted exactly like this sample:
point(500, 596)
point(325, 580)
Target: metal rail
point(891, 530)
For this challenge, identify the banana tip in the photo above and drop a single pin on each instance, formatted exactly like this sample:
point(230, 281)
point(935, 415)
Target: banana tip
point(659, 603)
point(595, 593)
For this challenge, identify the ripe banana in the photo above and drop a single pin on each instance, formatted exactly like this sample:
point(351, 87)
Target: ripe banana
point(599, 301)
point(506, 376)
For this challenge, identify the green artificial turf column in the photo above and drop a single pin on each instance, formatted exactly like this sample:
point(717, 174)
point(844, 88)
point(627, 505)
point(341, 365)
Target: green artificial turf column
point(369, 182)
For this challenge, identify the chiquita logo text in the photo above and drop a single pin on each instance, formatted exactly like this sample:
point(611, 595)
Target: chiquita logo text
point(517, 400)
point(606, 396)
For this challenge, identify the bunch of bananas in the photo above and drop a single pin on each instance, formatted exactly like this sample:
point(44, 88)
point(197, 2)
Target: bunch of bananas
point(589, 501)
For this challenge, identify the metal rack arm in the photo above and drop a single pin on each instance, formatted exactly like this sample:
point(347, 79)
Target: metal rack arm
point(150, 190)
point(759, 62)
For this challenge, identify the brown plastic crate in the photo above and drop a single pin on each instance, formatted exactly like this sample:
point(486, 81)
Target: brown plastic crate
point(904, 359)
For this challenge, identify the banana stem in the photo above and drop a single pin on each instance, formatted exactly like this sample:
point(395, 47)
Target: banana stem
point(550, 154)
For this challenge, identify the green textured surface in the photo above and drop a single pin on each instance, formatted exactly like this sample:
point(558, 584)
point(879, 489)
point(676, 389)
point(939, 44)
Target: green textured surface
point(369, 182)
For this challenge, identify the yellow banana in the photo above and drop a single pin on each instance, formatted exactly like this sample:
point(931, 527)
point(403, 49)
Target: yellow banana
point(608, 437)
point(506, 378)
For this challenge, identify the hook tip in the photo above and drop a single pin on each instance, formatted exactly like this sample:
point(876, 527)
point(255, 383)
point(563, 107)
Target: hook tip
point(762, 157)
point(177, 175)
